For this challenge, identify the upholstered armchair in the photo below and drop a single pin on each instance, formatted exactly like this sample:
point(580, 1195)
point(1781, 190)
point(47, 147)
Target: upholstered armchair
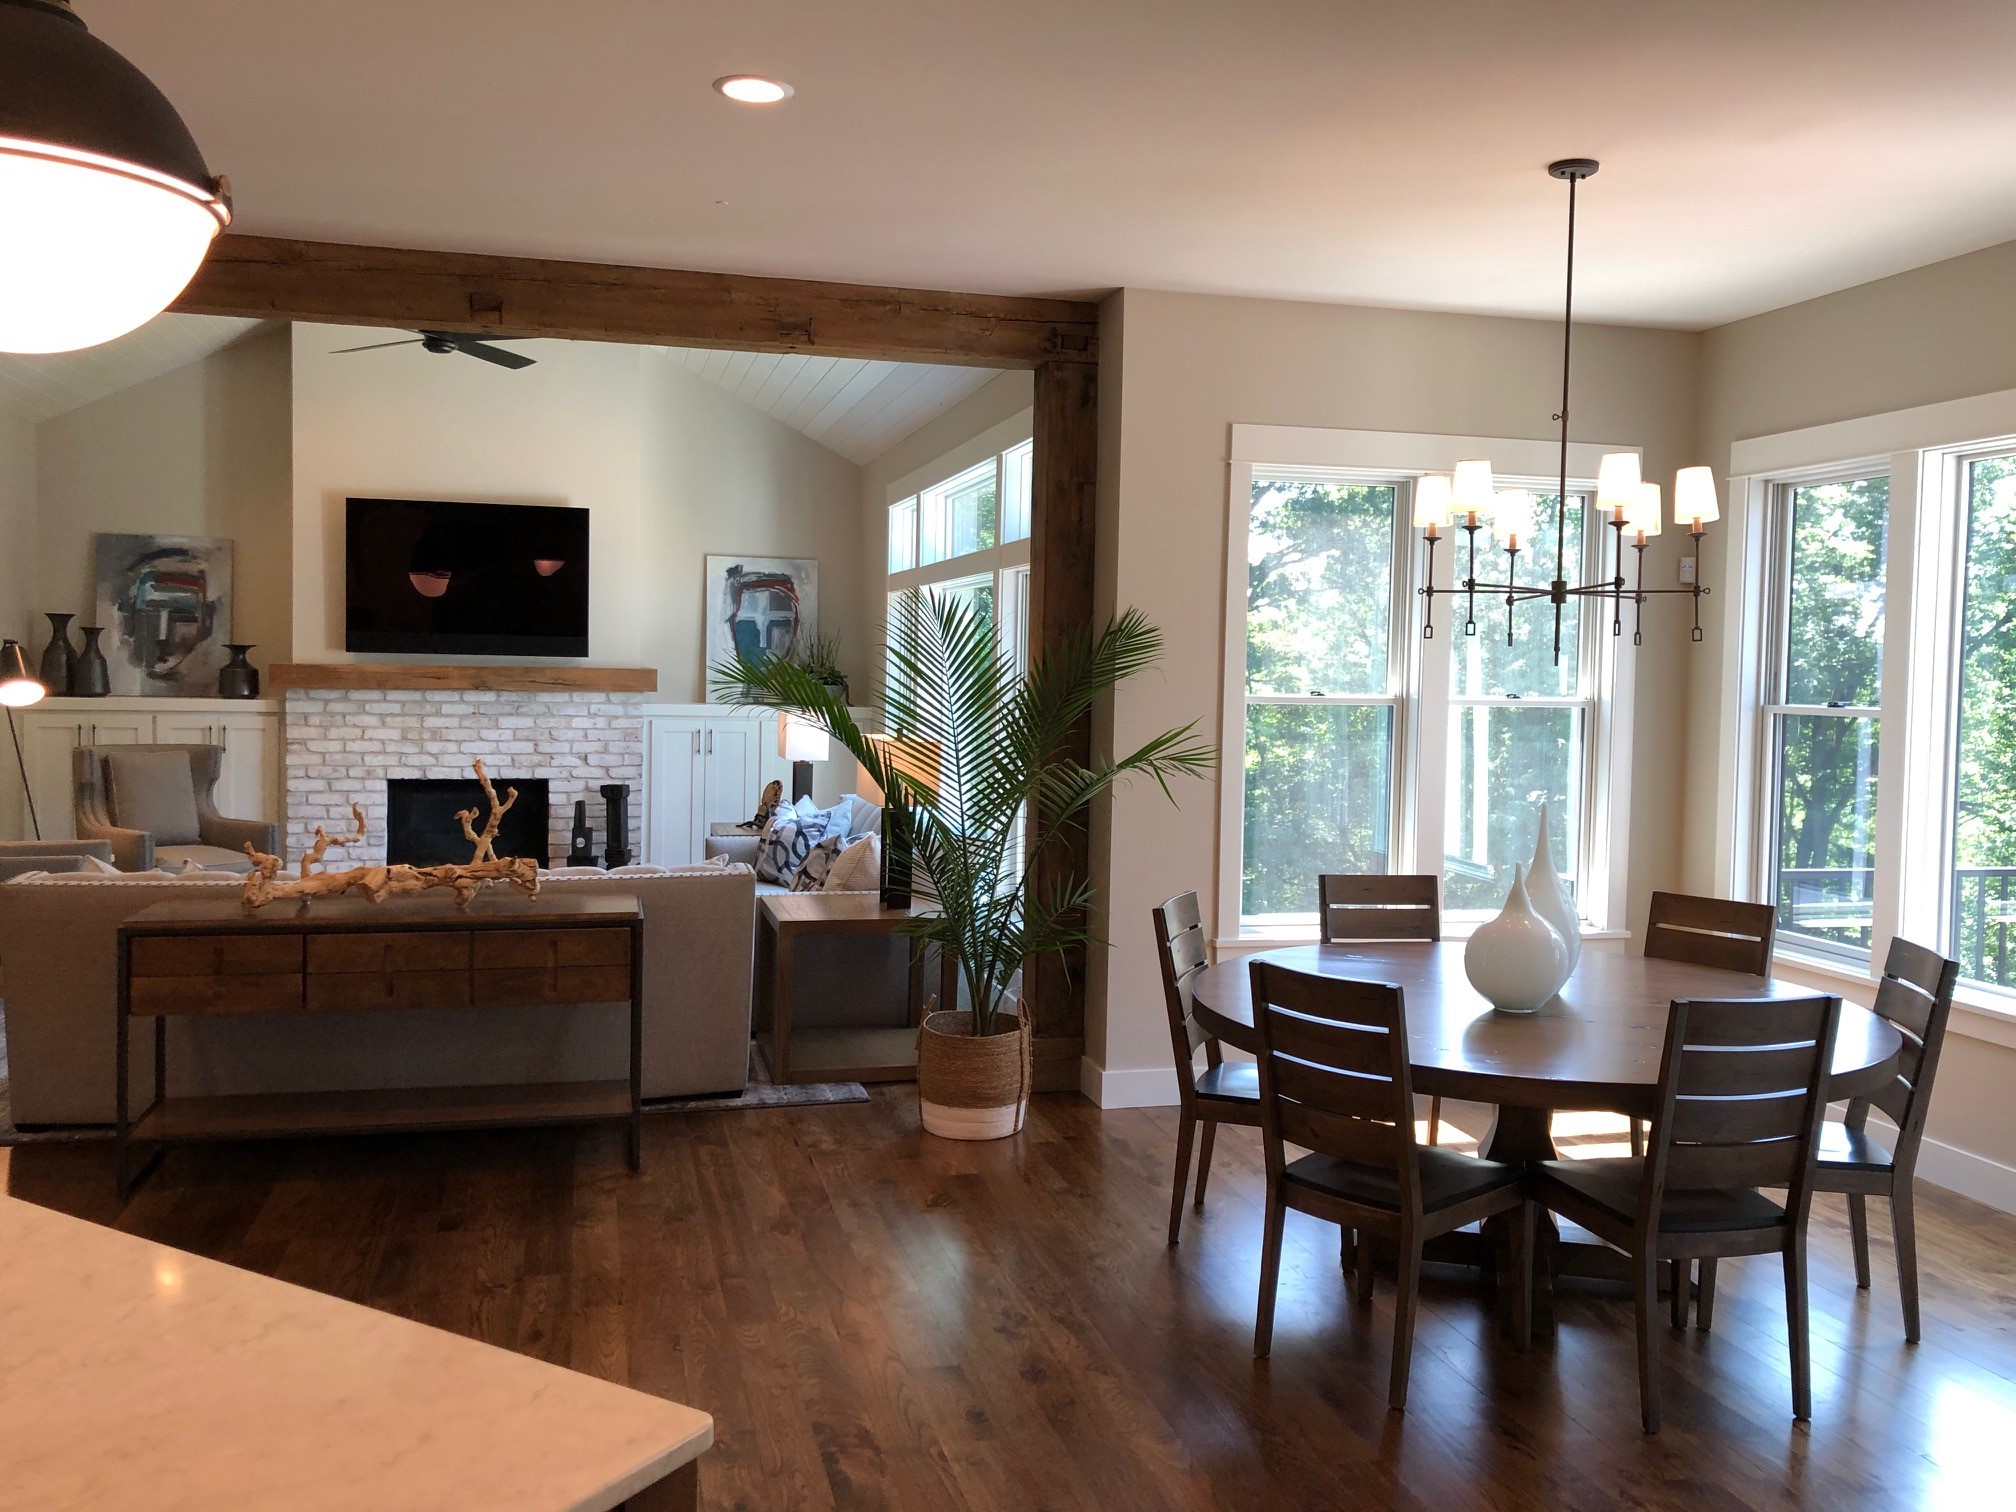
point(157, 805)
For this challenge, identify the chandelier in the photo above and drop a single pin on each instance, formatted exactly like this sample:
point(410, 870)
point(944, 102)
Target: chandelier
point(1470, 498)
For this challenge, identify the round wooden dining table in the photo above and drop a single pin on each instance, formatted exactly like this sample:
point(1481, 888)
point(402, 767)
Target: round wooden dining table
point(1595, 1048)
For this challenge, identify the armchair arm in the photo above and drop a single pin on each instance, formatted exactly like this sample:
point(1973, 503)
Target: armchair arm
point(32, 849)
point(740, 848)
point(132, 850)
point(236, 834)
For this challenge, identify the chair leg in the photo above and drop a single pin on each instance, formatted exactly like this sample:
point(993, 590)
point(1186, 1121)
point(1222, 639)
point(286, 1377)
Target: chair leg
point(1904, 1225)
point(1637, 1136)
point(1270, 1275)
point(1186, 1131)
point(1434, 1120)
point(1364, 1247)
point(1405, 1298)
point(1795, 1328)
point(1347, 1246)
point(1524, 1222)
point(1683, 1282)
point(1858, 1233)
point(1204, 1159)
point(1645, 1286)
point(1704, 1312)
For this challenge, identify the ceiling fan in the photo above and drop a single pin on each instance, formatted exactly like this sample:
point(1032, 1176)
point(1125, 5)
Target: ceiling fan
point(443, 343)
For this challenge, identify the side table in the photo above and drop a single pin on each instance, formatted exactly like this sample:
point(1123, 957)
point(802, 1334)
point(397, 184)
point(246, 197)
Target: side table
point(851, 1054)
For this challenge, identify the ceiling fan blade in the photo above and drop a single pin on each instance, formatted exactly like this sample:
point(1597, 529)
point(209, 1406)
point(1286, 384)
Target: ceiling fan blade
point(376, 346)
point(496, 354)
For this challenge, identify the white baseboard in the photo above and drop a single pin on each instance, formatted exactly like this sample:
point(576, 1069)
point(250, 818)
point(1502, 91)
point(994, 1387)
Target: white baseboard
point(1969, 1174)
point(1147, 1087)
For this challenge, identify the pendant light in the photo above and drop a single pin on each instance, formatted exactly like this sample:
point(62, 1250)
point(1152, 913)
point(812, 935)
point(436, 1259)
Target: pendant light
point(106, 206)
point(1624, 502)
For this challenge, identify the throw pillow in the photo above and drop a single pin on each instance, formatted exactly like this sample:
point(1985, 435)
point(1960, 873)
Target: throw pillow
point(818, 864)
point(155, 792)
point(859, 868)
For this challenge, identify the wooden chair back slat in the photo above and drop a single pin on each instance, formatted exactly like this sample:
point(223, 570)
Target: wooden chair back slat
point(1916, 995)
point(1334, 1072)
point(1904, 1004)
point(1711, 932)
point(1364, 907)
point(1179, 941)
point(1741, 1096)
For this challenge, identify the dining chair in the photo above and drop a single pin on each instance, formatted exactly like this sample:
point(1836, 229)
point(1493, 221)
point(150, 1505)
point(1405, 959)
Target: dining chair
point(1916, 996)
point(1741, 1100)
point(1334, 1080)
point(1372, 906)
point(1210, 1094)
point(1716, 932)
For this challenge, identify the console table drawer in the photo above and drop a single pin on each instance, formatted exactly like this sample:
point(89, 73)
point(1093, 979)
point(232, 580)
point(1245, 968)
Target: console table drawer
point(276, 993)
point(550, 948)
point(346, 991)
point(408, 951)
point(217, 955)
point(548, 984)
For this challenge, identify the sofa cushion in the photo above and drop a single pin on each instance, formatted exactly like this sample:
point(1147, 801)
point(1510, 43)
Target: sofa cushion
point(863, 817)
point(153, 792)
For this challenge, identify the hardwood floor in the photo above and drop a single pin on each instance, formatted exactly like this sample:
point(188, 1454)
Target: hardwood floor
point(880, 1320)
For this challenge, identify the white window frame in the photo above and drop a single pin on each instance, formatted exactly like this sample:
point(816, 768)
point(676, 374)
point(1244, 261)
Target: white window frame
point(1926, 452)
point(1422, 680)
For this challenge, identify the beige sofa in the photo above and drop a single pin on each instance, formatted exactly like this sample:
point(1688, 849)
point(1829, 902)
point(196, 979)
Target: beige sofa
point(57, 947)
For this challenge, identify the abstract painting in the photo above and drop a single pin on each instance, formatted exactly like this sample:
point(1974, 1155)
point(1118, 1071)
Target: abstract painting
point(165, 603)
point(760, 605)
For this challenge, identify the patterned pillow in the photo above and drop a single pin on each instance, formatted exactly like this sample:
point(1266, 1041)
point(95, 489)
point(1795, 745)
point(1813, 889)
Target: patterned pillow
point(784, 849)
point(859, 868)
point(818, 863)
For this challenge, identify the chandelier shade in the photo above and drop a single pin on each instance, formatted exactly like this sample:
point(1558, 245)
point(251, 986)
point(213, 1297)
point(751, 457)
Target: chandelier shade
point(1695, 500)
point(1617, 481)
point(107, 207)
point(1434, 501)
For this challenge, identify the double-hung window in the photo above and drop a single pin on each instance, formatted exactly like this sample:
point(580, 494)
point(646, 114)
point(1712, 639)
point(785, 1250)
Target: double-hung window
point(1981, 896)
point(964, 536)
point(1355, 743)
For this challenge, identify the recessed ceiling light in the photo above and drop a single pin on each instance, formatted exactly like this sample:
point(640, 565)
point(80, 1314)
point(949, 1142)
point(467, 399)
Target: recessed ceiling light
point(753, 89)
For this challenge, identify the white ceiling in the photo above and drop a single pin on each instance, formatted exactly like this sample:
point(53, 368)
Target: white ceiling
point(1361, 150)
point(34, 388)
point(858, 409)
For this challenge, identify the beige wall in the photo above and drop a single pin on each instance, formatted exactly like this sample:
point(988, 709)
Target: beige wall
point(1936, 333)
point(18, 597)
point(1188, 368)
point(671, 467)
point(201, 451)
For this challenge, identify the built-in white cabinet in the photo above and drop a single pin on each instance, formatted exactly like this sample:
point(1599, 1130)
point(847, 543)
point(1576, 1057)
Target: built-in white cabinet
point(704, 767)
point(248, 732)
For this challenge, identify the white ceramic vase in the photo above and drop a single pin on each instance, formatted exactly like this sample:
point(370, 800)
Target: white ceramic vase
point(1517, 960)
point(1549, 894)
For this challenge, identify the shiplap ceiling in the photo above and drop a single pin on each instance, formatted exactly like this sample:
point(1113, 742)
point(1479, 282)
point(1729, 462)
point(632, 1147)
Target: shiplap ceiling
point(36, 388)
point(858, 409)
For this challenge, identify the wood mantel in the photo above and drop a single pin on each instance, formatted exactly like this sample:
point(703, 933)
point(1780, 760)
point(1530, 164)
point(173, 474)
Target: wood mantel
point(494, 679)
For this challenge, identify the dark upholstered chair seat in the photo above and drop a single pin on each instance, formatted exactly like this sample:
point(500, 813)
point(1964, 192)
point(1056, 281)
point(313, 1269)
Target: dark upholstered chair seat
point(1239, 1083)
point(1446, 1178)
point(1851, 1149)
point(1614, 1184)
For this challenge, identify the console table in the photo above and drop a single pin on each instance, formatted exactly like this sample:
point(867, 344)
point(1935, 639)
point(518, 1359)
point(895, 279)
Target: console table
point(349, 955)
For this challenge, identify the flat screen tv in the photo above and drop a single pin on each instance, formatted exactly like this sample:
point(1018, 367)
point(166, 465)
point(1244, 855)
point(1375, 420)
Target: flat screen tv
point(444, 579)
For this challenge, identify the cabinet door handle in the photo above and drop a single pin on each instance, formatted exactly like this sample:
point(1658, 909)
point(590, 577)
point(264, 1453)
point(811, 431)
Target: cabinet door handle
point(224, 737)
point(80, 734)
point(710, 742)
point(696, 742)
point(94, 734)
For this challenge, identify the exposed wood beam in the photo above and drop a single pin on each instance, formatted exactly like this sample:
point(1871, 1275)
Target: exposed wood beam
point(269, 278)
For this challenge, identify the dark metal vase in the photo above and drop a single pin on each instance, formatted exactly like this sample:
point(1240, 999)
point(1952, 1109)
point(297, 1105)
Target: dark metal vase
point(92, 675)
point(237, 678)
point(616, 800)
point(59, 657)
point(581, 850)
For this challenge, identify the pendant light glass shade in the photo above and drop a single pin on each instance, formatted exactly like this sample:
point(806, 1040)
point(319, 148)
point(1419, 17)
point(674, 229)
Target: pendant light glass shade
point(106, 206)
point(1434, 500)
point(1617, 480)
point(1473, 490)
point(1694, 497)
point(1642, 515)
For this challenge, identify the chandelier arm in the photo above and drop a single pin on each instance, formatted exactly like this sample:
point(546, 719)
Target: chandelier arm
point(1470, 620)
point(1638, 598)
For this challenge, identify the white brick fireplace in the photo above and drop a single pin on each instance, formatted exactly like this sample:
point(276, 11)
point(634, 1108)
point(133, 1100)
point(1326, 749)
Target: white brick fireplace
point(342, 745)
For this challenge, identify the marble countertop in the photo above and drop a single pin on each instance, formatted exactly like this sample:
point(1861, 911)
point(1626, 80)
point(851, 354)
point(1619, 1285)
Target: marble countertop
point(133, 1375)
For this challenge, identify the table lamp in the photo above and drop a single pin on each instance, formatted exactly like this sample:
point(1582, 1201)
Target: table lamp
point(801, 742)
point(18, 689)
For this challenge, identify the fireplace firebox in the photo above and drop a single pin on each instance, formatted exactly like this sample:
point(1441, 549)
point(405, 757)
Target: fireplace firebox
point(422, 829)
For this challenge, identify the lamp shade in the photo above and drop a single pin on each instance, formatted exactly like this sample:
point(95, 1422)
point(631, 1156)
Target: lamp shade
point(1434, 500)
point(802, 739)
point(1643, 514)
point(106, 206)
point(1512, 516)
point(1617, 480)
point(1473, 490)
point(18, 686)
point(1694, 496)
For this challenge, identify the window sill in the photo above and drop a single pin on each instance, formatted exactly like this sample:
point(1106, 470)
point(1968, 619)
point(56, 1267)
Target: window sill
point(1979, 1012)
point(1251, 941)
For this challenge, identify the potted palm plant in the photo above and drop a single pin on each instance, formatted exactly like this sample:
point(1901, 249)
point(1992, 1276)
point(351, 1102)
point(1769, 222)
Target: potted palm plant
point(976, 767)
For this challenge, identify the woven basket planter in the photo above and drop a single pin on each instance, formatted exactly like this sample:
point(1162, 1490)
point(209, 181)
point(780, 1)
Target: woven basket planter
point(972, 1087)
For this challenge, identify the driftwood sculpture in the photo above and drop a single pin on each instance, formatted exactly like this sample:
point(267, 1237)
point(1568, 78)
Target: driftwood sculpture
point(264, 884)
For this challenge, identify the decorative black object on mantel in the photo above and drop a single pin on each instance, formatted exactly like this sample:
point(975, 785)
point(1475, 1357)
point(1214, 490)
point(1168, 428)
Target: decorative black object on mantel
point(616, 800)
point(581, 850)
point(59, 657)
point(237, 678)
point(92, 676)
